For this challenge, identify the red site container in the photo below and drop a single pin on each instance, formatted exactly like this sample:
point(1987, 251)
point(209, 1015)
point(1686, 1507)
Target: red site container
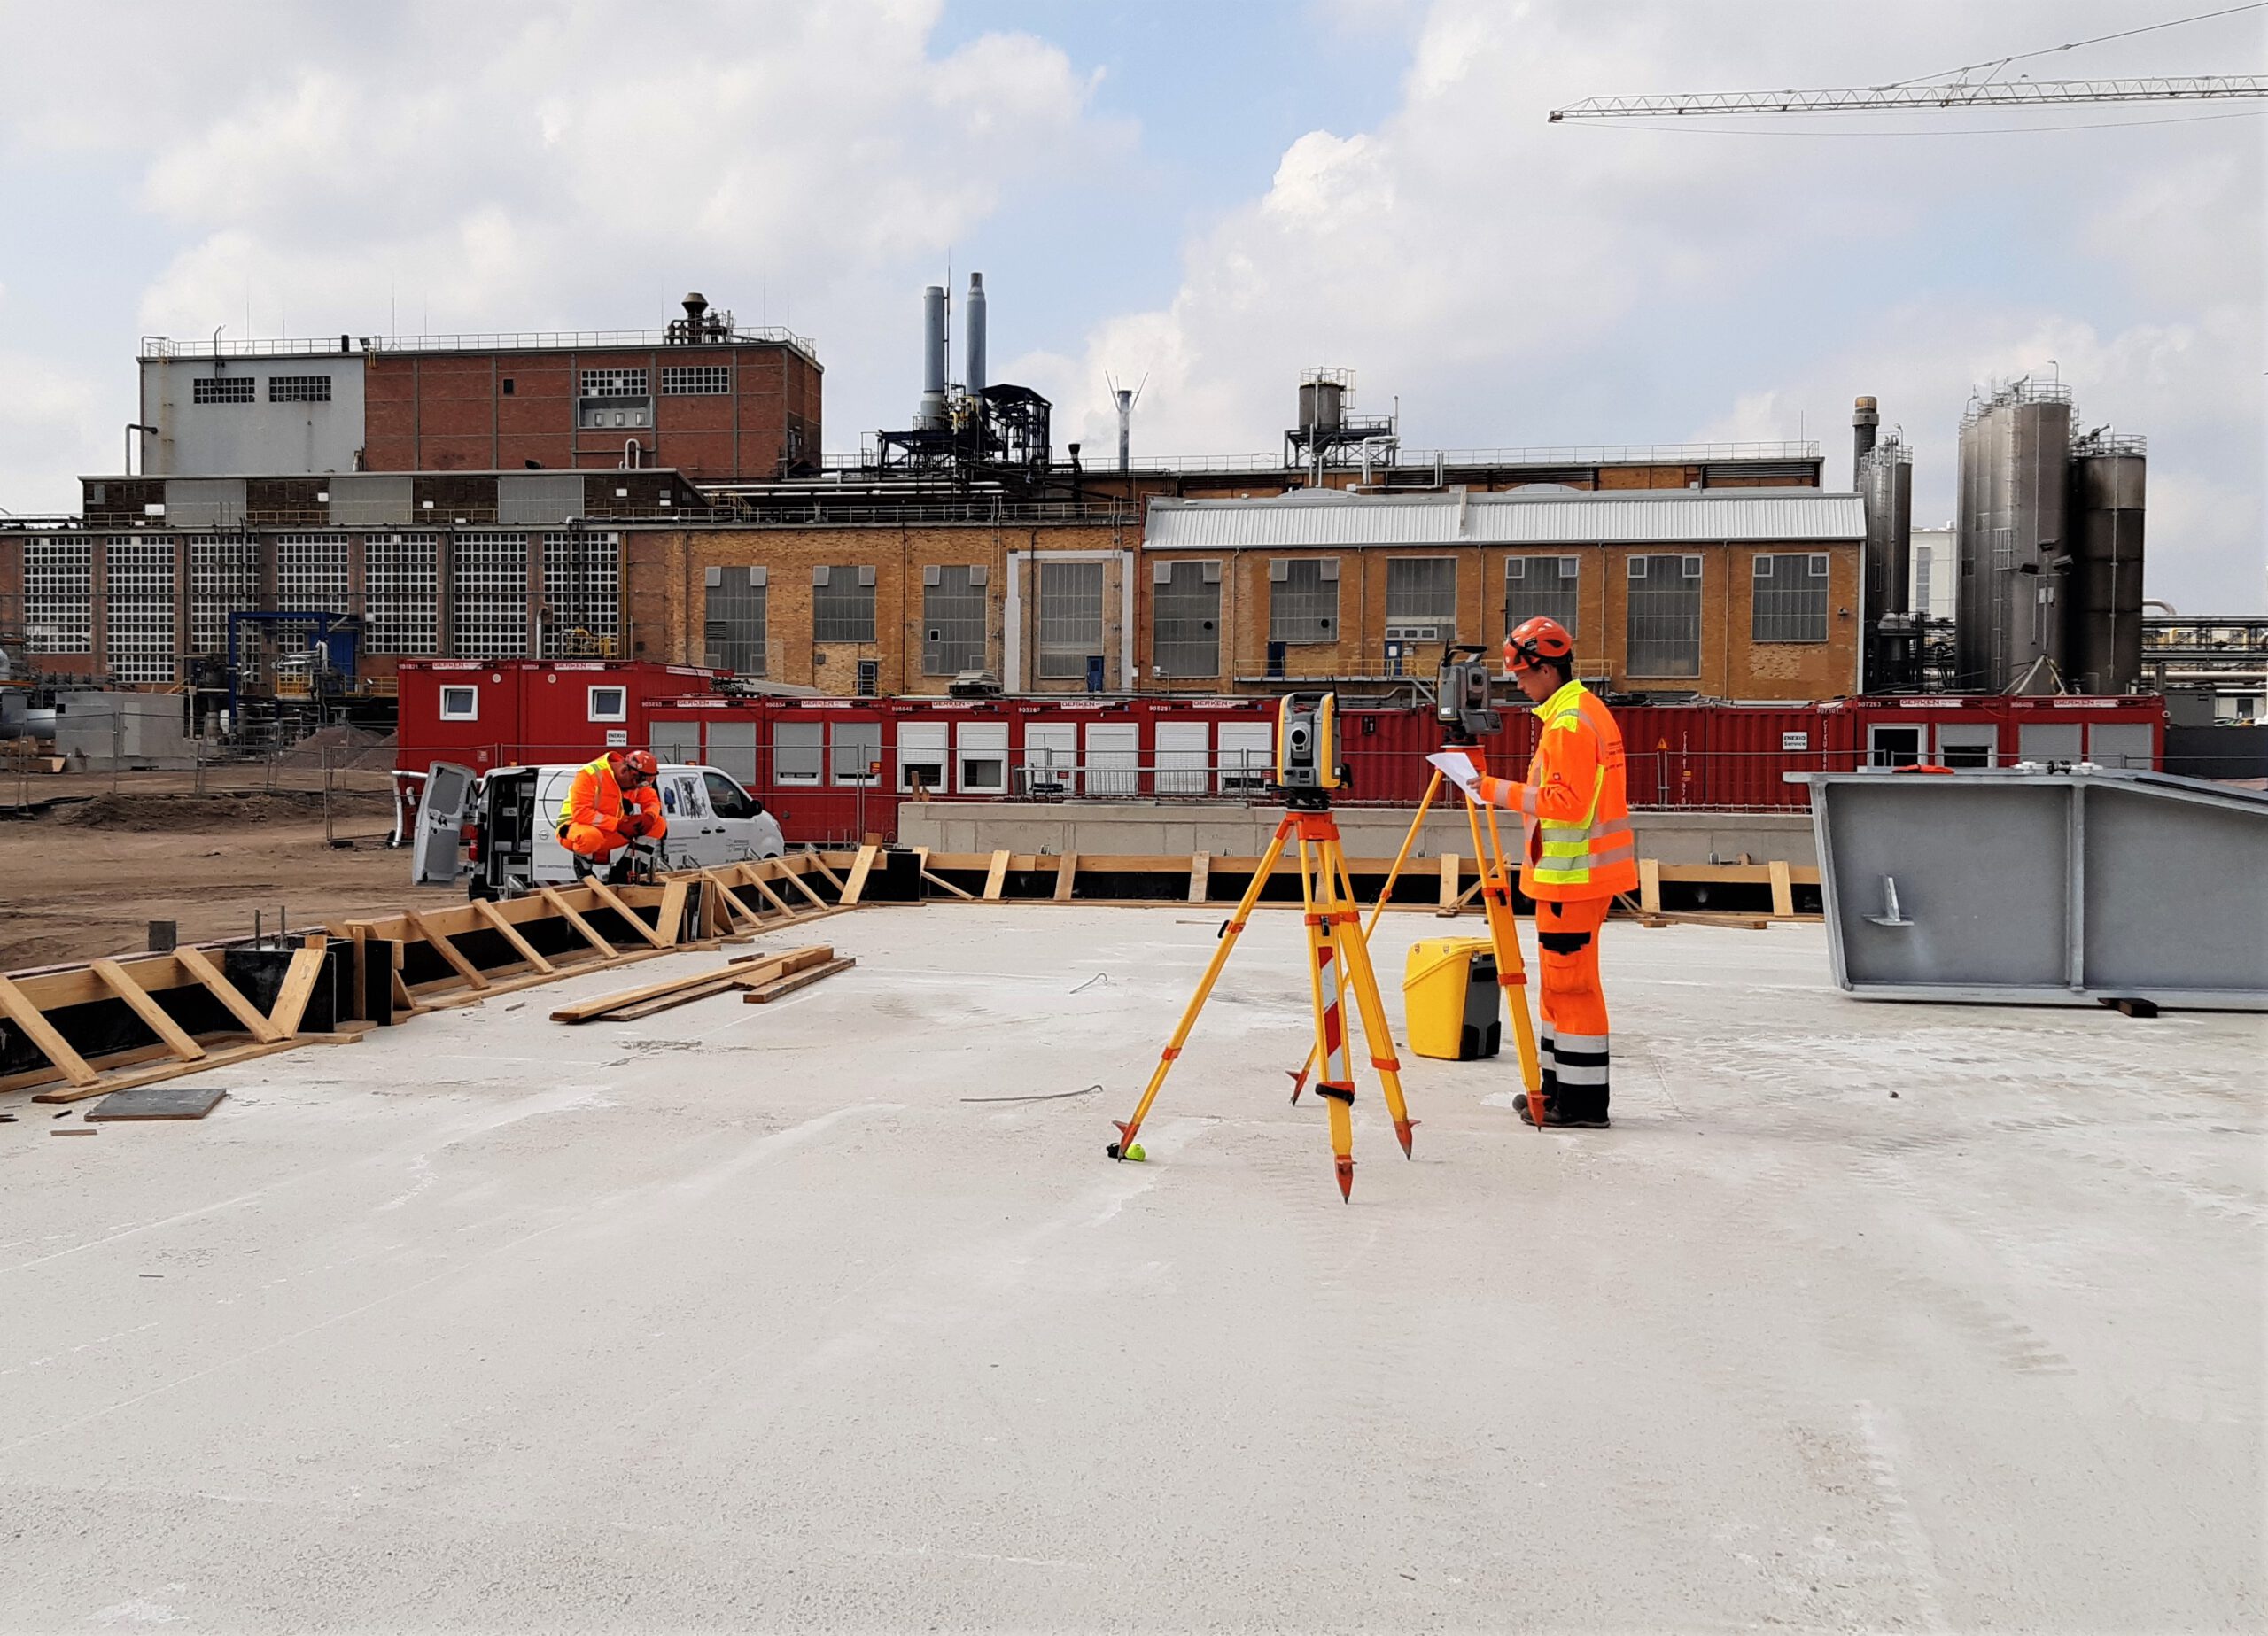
point(502, 711)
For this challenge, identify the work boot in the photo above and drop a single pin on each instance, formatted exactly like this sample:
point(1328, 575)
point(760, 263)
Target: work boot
point(618, 872)
point(1553, 1115)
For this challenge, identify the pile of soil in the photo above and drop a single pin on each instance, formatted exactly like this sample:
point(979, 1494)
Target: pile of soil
point(349, 747)
point(189, 814)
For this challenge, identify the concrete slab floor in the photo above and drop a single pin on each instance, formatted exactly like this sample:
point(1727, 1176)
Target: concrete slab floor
point(749, 1317)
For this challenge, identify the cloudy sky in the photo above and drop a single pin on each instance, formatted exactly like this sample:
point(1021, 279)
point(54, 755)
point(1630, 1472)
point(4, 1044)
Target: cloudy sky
point(1211, 197)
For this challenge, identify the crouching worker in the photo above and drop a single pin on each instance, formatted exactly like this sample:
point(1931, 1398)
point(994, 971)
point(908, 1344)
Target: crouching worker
point(610, 804)
point(1579, 853)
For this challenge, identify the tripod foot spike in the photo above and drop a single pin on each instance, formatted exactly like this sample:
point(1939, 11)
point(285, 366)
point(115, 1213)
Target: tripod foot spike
point(1402, 1128)
point(1346, 1169)
point(1299, 1083)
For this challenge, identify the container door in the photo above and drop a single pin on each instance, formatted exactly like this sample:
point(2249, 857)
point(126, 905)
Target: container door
point(1247, 757)
point(1051, 758)
point(676, 741)
point(921, 757)
point(1968, 744)
point(2047, 741)
point(439, 853)
point(1113, 759)
point(1184, 749)
point(732, 749)
point(2120, 744)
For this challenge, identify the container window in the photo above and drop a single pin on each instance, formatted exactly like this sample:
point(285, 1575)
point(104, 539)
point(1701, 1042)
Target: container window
point(609, 704)
point(795, 753)
point(460, 704)
point(983, 758)
point(858, 748)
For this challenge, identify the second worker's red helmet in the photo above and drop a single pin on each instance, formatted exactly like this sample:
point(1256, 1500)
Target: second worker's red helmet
point(1534, 640)
point(642, 764)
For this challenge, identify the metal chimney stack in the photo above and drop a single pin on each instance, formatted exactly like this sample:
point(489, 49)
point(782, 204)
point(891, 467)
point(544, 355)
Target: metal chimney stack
point(1863, 421)
point(1126, 428)
point(931, 415)
point(972, 324)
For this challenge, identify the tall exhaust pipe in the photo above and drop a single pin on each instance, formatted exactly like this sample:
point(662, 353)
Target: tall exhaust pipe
point(1125, 429)
point(972, 325)
point(931, 415)
point(1863, 421)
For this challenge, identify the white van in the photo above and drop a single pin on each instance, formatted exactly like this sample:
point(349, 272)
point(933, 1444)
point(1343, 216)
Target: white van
point(498, 832)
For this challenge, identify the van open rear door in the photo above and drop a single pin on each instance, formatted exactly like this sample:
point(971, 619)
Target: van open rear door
point(439, 854)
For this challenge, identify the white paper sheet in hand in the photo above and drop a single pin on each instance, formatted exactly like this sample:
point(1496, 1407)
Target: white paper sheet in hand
point(1457, 767)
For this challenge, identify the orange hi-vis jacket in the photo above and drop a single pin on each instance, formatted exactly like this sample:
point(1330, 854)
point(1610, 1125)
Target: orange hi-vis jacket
point(1582, 846)
point(595, 800)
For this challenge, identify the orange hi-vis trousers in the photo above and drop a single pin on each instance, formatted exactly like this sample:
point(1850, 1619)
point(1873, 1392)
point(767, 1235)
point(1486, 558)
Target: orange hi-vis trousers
point(1573, 1044)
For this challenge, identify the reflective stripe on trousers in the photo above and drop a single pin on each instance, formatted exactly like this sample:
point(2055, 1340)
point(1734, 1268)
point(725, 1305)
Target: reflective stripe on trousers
point(1574, 1037)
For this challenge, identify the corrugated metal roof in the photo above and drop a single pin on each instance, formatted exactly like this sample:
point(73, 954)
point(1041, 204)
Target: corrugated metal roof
point(1331, 518)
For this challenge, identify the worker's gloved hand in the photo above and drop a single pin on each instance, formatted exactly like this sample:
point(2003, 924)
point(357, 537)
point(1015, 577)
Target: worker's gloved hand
point(633, 824)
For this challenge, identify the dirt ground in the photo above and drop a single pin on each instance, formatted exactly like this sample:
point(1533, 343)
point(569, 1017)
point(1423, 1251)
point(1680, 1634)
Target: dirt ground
point(85, 879)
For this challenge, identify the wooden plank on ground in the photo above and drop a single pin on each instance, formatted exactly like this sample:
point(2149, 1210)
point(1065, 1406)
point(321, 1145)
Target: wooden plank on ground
point(1650, 885)
point(198, 965)
point(693, 984)
point(861, 867)
point(1201, 876)
point(107, 1083)
point(1783, 889)
point(511, 935)
point(446, 950)
point(779, 986)
point(41, 1034)
point(605, 894)
point(170, 1033)
point(583, 928)
point(299, 979)
point(1067, 873)
point(995, 877)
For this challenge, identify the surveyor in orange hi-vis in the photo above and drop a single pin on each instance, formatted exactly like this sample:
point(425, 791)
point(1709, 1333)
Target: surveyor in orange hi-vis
point(611, 804)
point(1579, 853)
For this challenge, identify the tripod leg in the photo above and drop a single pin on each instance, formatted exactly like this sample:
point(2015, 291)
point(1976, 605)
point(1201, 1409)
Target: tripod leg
point(1326, 983)
point(1386, 893)
point(1363, 978)
point(1504, 936)
point(1228, 935)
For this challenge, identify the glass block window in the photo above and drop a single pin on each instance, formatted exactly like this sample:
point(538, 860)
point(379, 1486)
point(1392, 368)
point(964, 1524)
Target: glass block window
point(1664, 631)
point(223, 579)
point(582, 593)
point(696, 380)
point(138, 607)
point(1791, 598)
point(952, 619)
point(1303, 600)
point(59, 593)
point(1185, 619)
point(1920, 599)
point(491, 582)
point(732, 620)
point(298, 388)
point(311, 573)
point(1420, 592)
point(1541, 587)
point(401, 586)
point(221, 388)
point(1070, 617)
point(842, 603)
point(614, 383)
point(796, 752)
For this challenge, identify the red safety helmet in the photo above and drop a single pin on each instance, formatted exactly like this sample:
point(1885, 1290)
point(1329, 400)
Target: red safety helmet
point(642, 764)
point(1535, 640)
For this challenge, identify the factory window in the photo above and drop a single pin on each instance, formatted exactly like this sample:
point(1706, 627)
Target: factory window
point(842, 603)
point(614, 383)
point(1541, 587)
point(223, 579)
point(310, 576)
point(1185, 619)
point(1421, 598)
point(858, 748)
point(796, 752)
point(1790, 604)
point(221, 388)
point(460, 704)
point(1070, 618)
point(1303, 598)
point(582, 593)
point(401, 583)
point(59, 593)
point(138, 605)
point(733, 623)
point(696, 380)
point(491, 582)
point(508, 386)
point(952, 619)
point(1921, 602)
point(298, 388)
point(1664, 633)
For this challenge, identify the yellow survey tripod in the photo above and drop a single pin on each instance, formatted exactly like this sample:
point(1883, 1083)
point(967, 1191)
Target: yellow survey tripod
point(1339, 958)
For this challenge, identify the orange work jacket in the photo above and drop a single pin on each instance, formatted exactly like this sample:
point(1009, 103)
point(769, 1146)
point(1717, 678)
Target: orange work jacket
point(595, 799)
point(1581, 845)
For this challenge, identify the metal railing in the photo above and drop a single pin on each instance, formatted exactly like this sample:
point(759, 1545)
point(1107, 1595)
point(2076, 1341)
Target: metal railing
point(160, 346)
point(1414, 460)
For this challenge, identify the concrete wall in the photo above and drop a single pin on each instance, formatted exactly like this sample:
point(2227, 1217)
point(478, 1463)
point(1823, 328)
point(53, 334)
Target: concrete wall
point(1176, 828)
point(257, 438)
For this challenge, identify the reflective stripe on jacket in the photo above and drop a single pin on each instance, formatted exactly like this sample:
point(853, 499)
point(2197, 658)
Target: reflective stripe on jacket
point(1581, 845)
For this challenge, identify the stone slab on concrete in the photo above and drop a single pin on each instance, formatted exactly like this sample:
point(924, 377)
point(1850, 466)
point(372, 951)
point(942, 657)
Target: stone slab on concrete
point(1862, 1316)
